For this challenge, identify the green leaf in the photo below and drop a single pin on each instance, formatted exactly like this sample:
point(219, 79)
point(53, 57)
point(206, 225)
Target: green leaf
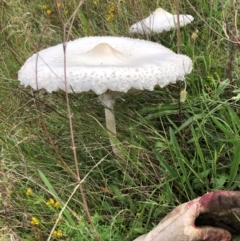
point(48, 184)
point(219, 182)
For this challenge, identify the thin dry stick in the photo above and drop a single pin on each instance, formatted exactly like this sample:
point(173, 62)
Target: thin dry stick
point(178, 51)
point(50, 139)
point(70, 115)
point(65, 39)
point(178, 27)
point(42, 121)
point(232, 33)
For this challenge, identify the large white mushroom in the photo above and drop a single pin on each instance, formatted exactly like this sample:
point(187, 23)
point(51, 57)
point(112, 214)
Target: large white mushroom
point(106, 66)
point(159, 21)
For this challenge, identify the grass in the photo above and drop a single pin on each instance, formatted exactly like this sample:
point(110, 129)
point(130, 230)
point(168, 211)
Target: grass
point(170, 157)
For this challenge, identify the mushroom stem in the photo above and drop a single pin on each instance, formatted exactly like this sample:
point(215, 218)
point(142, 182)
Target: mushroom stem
point(108, 101)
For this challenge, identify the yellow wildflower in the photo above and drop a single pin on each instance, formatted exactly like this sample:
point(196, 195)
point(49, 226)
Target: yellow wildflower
point(58, 5)
point(57, 204)
point(50, 202)
point(111, 11)
point(44, 6)
point(110, 17)
point(35, 221)
point(29, 192)
point(57, 233)
point(95, 2)
point(48, 11)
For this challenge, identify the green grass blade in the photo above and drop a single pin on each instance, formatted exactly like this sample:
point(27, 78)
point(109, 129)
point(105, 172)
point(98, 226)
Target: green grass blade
point(181, 160)
point(235, 164)
point(166, 166)
point(48, 184)
point(198, 149)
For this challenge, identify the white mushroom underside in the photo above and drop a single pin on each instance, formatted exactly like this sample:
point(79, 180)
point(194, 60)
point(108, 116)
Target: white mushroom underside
point(125, 64)
point(159, 21)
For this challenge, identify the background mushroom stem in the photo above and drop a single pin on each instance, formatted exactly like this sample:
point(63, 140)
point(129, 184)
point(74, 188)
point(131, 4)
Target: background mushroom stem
point(108, 100)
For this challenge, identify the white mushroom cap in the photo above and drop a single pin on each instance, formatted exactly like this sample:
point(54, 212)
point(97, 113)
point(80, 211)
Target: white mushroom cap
point(105, 63)
point(159, 21)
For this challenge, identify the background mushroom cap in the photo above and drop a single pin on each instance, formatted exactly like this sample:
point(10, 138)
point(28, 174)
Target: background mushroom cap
point(99, 64)
point(159, 21)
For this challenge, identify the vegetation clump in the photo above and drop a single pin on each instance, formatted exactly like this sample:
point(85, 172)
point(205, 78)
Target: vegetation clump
point(174, 151)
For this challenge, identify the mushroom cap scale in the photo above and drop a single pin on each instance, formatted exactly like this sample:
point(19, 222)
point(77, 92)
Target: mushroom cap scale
point(99, 64)
point(159, 21)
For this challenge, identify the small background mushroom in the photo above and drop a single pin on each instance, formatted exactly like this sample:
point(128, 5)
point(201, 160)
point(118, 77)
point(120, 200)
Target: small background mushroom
point(159, 21)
